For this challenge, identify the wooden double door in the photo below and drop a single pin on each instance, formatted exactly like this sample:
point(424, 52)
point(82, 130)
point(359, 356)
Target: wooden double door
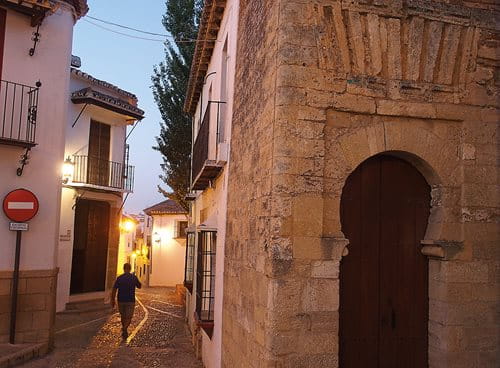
point(384, 278)
point(90, 246)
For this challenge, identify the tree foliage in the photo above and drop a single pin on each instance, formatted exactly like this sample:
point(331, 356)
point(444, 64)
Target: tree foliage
point(170, 79)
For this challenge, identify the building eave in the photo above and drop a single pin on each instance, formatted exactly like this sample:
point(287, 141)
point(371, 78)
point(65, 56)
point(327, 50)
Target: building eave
point(211, 18)
point(93, 97)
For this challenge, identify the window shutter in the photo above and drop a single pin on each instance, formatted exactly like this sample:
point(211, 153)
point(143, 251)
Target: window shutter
point(3, 19)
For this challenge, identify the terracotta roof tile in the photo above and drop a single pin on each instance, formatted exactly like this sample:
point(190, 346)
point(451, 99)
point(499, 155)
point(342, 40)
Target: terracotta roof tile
point(164, 208)
point(102, 84)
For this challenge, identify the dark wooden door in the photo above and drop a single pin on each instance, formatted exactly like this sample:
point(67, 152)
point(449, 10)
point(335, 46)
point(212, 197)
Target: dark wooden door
point(90, 247)
point(384, 279)
point(3, 19)
point(98, 164)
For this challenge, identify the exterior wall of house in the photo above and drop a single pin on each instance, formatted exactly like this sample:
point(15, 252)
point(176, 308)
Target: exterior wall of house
point(42, 175)
point(209, 208)
point(337, 83)
point(77, 141)
point(167, 251)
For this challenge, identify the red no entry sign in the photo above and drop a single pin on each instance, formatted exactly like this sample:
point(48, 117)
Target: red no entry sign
point(20, 205)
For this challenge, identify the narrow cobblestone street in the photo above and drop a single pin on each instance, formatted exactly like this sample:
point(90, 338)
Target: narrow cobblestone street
point(158, 337)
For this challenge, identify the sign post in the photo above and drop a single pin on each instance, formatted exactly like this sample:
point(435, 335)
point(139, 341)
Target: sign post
point(20, 206)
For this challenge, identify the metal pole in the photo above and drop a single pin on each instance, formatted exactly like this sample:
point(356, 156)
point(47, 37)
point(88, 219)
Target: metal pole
point(15, 286)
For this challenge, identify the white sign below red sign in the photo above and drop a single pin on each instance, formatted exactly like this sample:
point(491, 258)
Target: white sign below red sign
point(18, 226)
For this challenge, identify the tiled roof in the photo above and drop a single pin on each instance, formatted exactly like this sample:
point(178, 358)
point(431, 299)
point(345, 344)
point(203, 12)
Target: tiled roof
point(164, 208)
point(102, 84)
point(80, 6)
point(91, 96)
point(213, 11)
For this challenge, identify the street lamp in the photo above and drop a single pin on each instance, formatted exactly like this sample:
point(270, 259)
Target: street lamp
point(68, 170)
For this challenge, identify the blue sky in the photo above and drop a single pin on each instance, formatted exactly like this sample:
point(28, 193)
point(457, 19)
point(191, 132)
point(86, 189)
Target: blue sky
point(128, 63)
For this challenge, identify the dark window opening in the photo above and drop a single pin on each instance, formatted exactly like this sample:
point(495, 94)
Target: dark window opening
point(205, 280)
point(189, 264)
point(181, 227)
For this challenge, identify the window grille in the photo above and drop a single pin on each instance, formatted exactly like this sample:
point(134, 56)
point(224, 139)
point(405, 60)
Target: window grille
point(205, 280)
point(189, 265)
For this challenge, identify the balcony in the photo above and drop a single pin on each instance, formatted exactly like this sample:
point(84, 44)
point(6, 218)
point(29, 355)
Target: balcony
point(205, 169)
point(18, 114)
point(95, 173)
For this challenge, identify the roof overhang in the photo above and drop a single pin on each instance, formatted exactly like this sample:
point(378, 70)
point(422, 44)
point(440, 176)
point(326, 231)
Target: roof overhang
point(92, 97)
point(211, 18)
point(36, 9)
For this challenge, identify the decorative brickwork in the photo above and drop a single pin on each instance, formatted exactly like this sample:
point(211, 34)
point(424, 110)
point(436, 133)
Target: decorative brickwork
point(322, 86)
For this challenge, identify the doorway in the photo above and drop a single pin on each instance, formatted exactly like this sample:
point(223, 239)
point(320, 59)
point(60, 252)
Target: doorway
point(385, 207)
point(90, 246)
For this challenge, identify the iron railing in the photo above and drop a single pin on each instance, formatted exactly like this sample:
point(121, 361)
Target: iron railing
point(19, 104)
point(202, 142)
point(205, 280)
point(103, 173)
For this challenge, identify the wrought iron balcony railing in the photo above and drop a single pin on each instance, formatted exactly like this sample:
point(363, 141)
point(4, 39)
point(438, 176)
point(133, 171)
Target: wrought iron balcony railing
point(18, 114)
point(103, 173)
point(204, 167)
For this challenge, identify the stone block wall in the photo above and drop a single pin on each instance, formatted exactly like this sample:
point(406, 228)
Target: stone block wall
point(36, 306)
point(249, 189)
point(333, 83)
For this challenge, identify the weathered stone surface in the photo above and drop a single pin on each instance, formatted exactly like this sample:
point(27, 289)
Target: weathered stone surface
point(322, 86)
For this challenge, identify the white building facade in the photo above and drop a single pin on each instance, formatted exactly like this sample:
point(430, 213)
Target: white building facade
point(165, 235)
point(97, 180)
point(209, 101)
point(35, 53)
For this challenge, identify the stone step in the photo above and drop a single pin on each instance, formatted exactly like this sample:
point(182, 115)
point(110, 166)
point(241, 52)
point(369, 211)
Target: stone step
point(85, 306)
point(13, 355)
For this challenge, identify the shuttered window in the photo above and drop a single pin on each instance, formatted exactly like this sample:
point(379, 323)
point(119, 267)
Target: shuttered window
point(3, 18)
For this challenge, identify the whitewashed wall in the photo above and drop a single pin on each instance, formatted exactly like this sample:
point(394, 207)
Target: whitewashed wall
point(215, 199)
point(77, 140)
point(167, 254)
point(50, 65)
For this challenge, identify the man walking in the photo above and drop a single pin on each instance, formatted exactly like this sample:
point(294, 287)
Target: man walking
point(125, 284)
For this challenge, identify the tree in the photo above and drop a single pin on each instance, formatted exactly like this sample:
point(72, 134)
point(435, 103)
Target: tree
point(170, 79)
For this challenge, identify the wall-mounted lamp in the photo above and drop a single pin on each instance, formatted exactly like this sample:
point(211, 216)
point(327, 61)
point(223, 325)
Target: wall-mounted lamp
point(68, 170)
point(127, 226)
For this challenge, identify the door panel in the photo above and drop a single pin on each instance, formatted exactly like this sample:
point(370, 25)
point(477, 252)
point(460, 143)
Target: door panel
point(99, 149)
point(3, 19)
point(383, 280)
point(90, 247)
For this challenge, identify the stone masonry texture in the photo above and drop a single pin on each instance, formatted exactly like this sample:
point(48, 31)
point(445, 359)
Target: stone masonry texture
point(321, 86)
point(36, 306)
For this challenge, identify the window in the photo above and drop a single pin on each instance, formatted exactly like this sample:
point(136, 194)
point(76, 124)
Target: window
point(98, 155)
point(180, 229)
point(189, 265)
point(205, 280)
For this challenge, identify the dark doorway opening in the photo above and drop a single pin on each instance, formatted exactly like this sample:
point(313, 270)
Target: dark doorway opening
point(90, 246)
point(385, 207)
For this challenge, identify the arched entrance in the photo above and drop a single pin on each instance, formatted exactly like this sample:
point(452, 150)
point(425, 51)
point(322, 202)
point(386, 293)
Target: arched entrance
point(384, 277)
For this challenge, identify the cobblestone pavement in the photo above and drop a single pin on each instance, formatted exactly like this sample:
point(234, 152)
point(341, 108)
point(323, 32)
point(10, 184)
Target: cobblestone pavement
point(158, 337)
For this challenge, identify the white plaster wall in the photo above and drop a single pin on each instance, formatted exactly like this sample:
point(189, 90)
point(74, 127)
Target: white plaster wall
point(50, 65)
point(76, 143)
point(168, 255)
point(211, 348)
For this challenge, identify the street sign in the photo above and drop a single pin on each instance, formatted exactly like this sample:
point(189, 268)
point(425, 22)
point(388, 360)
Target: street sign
point(18, 226)
point(20, 205)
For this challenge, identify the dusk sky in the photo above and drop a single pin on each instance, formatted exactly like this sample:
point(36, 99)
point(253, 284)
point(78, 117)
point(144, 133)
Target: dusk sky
point(128, 63)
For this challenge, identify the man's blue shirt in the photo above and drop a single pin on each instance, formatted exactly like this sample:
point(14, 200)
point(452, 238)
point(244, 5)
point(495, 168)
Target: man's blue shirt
point(126, 285)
